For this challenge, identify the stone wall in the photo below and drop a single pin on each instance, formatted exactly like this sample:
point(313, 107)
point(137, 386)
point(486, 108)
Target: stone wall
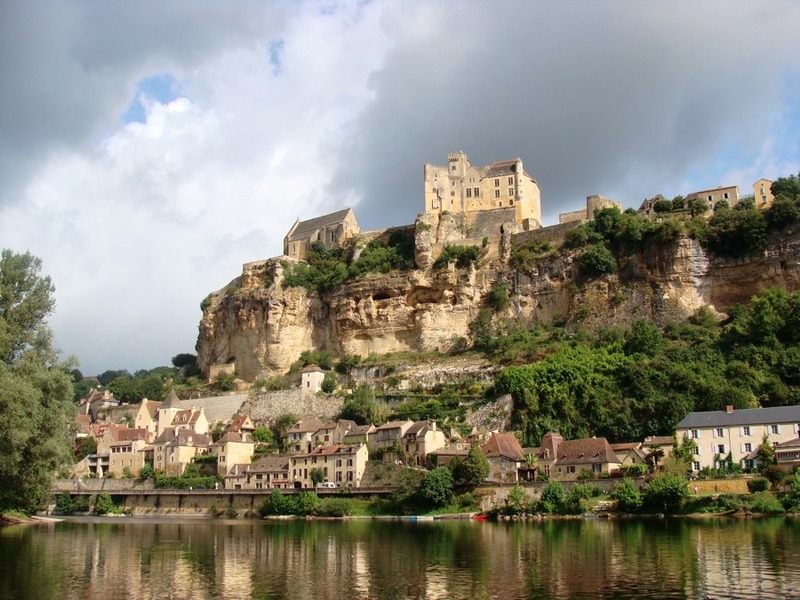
point(266, 406)
point(555, 234)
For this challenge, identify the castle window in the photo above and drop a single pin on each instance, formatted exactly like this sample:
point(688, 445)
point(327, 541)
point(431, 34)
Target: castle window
point(510, 181)
point(497, 193)
point(725, 195)
point(452, 193)
point(510, 191)
point(511, 202)
point(477, 192)
point(469, 192)
point(496, 183)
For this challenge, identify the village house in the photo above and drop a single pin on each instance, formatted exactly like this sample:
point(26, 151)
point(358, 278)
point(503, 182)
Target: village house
point(267, 473)
point(358, 434)
point(147, 416)
point(762, 194)
point(629, 453)
point(787, 454)
point(311, 379)
point(300, 436)
point(126, 454)
point(462, 188)
point(332, 433)
point(332, 230)
point(388, 435)
point(713, 197)
point(722, 435)
point(233, 448)
point(419, 440)
point(505, 455)
point(341, 464)
point(241, 424)
point(173, 450)
point(562, 459)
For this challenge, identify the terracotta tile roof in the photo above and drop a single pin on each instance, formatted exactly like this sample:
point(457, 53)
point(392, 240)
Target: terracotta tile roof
point(131, 435)
point(503, 444)
point(625, 446)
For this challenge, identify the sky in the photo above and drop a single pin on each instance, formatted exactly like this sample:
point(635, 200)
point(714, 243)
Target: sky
point(149, 149)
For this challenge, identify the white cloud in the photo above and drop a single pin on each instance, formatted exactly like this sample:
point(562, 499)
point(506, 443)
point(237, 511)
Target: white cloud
point(137, 222)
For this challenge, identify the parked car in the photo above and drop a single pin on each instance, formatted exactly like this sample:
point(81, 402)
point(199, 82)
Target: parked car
point(327, 484)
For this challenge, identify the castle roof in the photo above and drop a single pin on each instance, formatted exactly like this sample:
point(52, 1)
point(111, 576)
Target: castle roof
point(172, 401)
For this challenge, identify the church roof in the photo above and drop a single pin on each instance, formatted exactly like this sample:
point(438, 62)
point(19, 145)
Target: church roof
point(305, 228)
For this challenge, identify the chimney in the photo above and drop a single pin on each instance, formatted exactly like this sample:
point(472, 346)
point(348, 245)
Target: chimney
point(729, 409)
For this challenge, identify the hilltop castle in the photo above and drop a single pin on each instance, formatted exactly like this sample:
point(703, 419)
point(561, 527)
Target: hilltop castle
point(460, 187)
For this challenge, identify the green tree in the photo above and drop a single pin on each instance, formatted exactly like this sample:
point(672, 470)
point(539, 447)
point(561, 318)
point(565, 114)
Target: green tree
point(627, 496)
point(35, 389)
point(329, 383)
point(362, 407)
point(552, 498)
point(474, 469)
point(666, 492)
point(436, 486)
point(787, 187)
point(317, 475)
point(280, 426)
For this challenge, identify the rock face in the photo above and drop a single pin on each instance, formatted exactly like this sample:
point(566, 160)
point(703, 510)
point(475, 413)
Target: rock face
point(263, 326)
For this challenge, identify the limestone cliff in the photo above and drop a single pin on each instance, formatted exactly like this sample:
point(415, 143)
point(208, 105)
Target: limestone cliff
point(262, 325)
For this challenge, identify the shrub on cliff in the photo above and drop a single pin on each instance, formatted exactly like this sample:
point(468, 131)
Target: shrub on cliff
point(597, 260)
point(462, 256)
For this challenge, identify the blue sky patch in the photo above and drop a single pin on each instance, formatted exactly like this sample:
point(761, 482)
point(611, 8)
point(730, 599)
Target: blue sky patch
point(160, 87)
point(276, 56)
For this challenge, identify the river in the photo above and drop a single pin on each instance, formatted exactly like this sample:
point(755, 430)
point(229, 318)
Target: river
point(106, 558)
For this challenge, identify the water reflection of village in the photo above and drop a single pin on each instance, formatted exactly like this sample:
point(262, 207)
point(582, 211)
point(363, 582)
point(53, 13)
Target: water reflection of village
point(373, 559)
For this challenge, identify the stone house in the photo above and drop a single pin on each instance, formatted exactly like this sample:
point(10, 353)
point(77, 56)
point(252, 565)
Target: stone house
point(358, 434)
point(192, 419)
point(233, 448)
point(300, 436)
point(147, 416)
point(629, 453)
point(127, 452)
point(173, 450)
point(736, 434)
point(332, 230)
point(564, 459)
point(462, 188)
point(342, 464)
point(331, 433)
point(241, 424)
point(266, 473)
point(422, 438)
point(762, 194)
point(729, 194)
point(311, 379)
point(505, 455)
point(388, 435)
point(787, 454)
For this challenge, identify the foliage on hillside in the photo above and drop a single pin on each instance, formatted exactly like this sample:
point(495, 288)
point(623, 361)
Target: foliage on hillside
point(626, 383)
point(324, 269)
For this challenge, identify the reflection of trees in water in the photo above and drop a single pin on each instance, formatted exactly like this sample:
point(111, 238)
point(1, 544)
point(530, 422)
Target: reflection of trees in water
point(376, 559)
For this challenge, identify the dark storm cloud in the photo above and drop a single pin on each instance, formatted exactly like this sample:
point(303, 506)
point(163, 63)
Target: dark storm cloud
point(614, 98)
point(68, 69)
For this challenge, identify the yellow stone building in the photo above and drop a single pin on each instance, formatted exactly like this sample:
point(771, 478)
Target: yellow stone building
point(460, 187)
